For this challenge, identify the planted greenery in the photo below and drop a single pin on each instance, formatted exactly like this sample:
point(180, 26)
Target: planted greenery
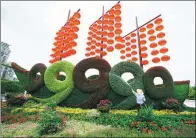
point(172, 104)
point(145, 113)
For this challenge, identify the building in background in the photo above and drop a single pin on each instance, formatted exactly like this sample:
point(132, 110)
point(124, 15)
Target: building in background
point(6, 72)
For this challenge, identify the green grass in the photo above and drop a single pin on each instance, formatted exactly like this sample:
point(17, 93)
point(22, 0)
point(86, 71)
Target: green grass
point(86, 129)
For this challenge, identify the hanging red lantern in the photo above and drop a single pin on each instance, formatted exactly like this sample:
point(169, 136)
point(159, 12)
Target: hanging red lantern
point(77, 15)
point(158, 21)
point(104, 39)
point(150, 25)
point(161, 35)
point(106, 16)
point(89, 43)
point(133, 46)
point(98, 44)
point(118, 38)
point(152, 38)
point(143, 48)
point(73, 51)
point(128, 49)
point(154, 52)
point(98, 38)
point(127, 43)
point(162, 42)
point(110, 41)
point(111, 22)
point(93, 47)
point(73, 44)
point(128, 55)
point(94, 35)
point(134, 59)
point(99, 27)
point(99, 21)
point(156, 60)
point(143, 35)
point(94, 25)
point(122, 51)
point(94, 30)
point(88, 49)
point(92, 53)
point(159, 28)
point(98, 33)
point(133, 52)
point(74, 35)
point(133, 34)
point(153, 45)
point(111, 11)
point(90, 33)
point(97, 50)
point(117, 6)
point(110, 34)
point(151, 31)
point(165, 58)
point(143, 42)
point(117, 12)
point(127, 38)
point(144, 55)
point(104, 33)
point(118, 46)
point(133, 40)
point(143, 29)
point(118, 31)
point(75, 28)
point(110, 48)
point(89, 38)
point(163, 50)
point(87, 54)
point(105, 27)
point(145, 62)
point(111, 28)
point(117, 18)
point(76, 22)
point(103, 53)
point(118, 25)
point(122, 57)
point(93, 41)
point(103, 46)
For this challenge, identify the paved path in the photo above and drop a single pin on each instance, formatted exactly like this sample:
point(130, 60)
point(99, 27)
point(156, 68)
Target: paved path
point(190, 103)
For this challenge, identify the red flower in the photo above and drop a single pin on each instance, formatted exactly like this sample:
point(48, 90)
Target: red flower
point(144, 130)
point(149, 131)
point(163, 128)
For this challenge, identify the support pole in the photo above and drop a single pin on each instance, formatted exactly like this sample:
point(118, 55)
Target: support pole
point(139, 46)
point(102, 30)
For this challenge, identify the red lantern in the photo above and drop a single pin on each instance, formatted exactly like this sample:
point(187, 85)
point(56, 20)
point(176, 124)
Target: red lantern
point(143, 29)
point(110, 34)
point(153, 45)
point(118, 31)
point(150, 25)
point(110, 49)
point(127, 38)
point(134, 59)
point(161, 35)
point(87, 54)
point(143, 35)
point(75, 28)
point(156, 60)
point(134, 52)
point(117, 6)
point(158, 21)
point(152, 38)
point(128, 55)
point(88, 49)
point(128, 49)
point(163, 50)
point(133, 34)
point(111, 28)
point(97, 50)
point(103, 53)
point(165, 58)
point(93, 47)
point(73, 44)
point(118, 25)
point(127, 43)
point(103, 46)
point(118, 46)
point(159, 28)
point(117, 18)
point(143, 48)
point(122, 57)
point(154, 52)
point(162, 42)
point(73, 51)
point(122, 51)
point(151, 31)
point(144, 55)
point(110, 41)
point(133, 46)
point(145, 62)
point(77, 15)
point(133, 40)
point(92, 53)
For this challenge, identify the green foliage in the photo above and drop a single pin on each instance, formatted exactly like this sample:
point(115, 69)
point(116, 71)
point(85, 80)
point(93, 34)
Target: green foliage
point(62, 89)
point(181, 92)
point(11, 87)
point(37, 80)
point(96, 88)
point(192, 93)
point(50, 120)
point(166, 90)
point(145, 113)
point(16, 101)
point(172, 104)
point(122, 88)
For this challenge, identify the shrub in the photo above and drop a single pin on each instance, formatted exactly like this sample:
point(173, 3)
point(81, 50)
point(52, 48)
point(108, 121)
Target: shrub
point(122, 88)
point(145, 113)
point(97, 88)
point(192, 93)
point(93, 113)
point(173, 104)
point(104, 105)
point(37, 80)
point(61, 89)
point(16, 101)
point(165, 90)
point(50, 120)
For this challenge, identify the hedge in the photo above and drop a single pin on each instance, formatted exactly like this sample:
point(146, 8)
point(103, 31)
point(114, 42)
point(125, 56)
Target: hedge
point(62, 89)
point(97, 88)
point(122, 88)
point(165, 90)
point(37, 80)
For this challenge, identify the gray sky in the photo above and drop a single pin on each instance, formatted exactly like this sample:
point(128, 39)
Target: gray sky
point(30, 28)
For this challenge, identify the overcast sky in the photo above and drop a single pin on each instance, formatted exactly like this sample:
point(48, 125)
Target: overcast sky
point(30, 28)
